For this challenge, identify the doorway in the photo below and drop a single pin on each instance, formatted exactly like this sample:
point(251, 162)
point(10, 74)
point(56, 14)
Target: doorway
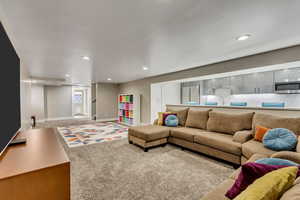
point(81, 102)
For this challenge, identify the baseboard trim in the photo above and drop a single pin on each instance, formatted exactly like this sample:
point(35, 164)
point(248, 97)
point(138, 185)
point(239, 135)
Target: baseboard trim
point(144, 124)
point(25, 124)
point(106, 119)
point(57, 118)
point(66, 118)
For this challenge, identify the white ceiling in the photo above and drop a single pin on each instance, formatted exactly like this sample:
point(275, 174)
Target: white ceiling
point(122, 36)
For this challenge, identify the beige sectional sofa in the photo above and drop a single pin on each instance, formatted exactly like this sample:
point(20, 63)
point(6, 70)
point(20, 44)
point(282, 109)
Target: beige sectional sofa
point(219, 191)
point(225, 134)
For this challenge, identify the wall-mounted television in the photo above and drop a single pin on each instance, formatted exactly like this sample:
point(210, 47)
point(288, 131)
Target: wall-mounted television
point(10, 116)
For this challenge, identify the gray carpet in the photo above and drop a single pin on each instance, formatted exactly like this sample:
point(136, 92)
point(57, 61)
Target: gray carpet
point(120, 171)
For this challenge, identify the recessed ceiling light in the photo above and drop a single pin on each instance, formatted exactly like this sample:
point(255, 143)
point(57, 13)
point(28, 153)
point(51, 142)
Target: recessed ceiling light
point(243, 37)
point(67, 75)
point(145, 68)
point(109, 79)
point(86, 58)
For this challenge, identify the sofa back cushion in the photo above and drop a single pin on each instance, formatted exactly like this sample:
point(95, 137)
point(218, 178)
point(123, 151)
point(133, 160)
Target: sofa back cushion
point(181, 114)
point(273, 121)
point(197, 118)
point(293, 193)
point(229, 122)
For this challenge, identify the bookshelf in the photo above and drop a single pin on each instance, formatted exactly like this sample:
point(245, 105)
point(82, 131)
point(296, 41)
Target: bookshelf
point(129, 109)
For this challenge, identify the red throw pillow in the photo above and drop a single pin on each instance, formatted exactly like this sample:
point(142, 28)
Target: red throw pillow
point(165, 115)
point(249, 173)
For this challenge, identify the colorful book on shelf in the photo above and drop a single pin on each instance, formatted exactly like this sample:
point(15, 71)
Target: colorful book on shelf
point(130, 106)
point(126, 109)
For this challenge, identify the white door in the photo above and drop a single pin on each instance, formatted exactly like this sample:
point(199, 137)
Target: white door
point(81, 100)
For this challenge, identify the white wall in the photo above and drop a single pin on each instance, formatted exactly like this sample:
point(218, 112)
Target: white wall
point(58, 102)
point(163, 94)
point(156, 100)
point(25, 96)
point(38, 102)
point(55, 102)
point(170, 94)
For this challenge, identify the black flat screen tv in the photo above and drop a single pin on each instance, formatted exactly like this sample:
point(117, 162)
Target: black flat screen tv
point(10, 113)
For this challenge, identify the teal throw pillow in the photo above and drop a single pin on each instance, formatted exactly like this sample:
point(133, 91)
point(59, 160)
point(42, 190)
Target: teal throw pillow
point(276, 161)
point(280, 139)
point(171, 120)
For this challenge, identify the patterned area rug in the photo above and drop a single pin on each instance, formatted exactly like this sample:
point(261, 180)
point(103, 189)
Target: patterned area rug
point(78, 135)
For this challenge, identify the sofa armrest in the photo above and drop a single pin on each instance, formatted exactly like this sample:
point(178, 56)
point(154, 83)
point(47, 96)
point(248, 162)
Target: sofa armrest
point(298, 145)
point(242, 136)
point(288, 155)
point(155, 122)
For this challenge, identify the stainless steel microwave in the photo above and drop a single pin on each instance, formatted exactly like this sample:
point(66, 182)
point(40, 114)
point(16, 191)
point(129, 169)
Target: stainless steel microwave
point(287, 87)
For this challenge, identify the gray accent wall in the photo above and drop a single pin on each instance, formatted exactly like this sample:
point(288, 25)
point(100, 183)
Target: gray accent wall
point(58, 102)
point(142, 86)
point(107, 100)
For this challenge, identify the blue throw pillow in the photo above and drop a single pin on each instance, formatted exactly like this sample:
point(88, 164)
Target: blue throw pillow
point(171, 120)
point(280, 139)
point(276, 161)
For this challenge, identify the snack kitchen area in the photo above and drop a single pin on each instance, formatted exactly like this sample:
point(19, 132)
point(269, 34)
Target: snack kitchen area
point(268, 87)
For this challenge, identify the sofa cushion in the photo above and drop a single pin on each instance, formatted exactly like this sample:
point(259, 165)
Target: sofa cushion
point(149, 132)
point(185, 133)
point(181, 114)
point(298, 145)
point(223, 142)
point(271, 186)
point(273, 121)
point(197, 118)
point(219, 192)
point(242, 136)
point(228, 122)
point(252, 147)
point(289, 155)
point(293, 193)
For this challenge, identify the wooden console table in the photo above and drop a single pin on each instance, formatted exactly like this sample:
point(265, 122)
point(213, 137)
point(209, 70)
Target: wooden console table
point(37, 170)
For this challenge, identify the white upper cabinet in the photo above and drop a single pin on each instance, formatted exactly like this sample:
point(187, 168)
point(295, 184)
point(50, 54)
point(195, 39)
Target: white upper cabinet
point(254, 83)
point(287, 75)
point(265, 82)
point(210, 85)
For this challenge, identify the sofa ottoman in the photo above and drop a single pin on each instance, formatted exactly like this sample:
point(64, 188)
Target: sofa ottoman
point(148, 136)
